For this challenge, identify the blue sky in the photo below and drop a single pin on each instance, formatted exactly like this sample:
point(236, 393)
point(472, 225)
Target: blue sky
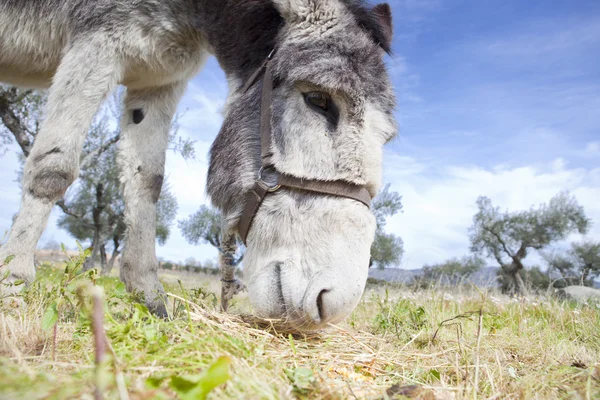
point(496, 98)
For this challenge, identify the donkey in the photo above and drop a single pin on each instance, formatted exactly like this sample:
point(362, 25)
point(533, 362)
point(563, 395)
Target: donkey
point(328, 113)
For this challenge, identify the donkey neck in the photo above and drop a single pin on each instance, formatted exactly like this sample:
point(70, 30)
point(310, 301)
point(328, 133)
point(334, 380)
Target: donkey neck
point(241, 33)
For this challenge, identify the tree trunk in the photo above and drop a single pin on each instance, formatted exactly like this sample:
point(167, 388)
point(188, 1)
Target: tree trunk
point(111, 263)
point(90, 262)
point(97, 221)
point(102, 257)
point(113, 257)
point(12, 122)
point(584, 274)
point(513, 271)
point(520, 284)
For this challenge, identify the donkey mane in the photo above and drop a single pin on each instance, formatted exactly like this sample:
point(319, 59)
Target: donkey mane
point(244, 32)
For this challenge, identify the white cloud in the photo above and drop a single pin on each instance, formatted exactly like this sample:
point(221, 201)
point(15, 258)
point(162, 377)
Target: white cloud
point(592, 149)
point(202, 111)
point(439, 205)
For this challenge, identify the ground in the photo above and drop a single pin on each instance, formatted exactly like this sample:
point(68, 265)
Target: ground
point(399, 343)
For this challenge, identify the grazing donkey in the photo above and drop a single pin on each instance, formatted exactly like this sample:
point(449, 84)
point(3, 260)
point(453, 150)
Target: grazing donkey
point(319, 119)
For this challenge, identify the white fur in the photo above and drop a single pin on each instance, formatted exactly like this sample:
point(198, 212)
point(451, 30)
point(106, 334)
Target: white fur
point(315, 254)
point(319, 244)
point(379, 129)
point(80, 84)
point(81, 74)
point(142, 160)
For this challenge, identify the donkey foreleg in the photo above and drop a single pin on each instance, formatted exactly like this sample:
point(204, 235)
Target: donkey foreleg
point(83, 79)
point(145, 128)
point(230, 286)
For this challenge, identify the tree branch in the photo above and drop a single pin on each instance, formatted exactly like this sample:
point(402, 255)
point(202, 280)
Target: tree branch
point(87, 159)
point(65, 209)
point(499, 240)
point(13, 124)
point(499, 259)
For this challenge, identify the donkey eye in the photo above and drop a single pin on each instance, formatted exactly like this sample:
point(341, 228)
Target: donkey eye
point(318, 99)
point(323, 104)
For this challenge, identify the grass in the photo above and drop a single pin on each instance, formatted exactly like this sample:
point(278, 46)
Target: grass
point(398, 343)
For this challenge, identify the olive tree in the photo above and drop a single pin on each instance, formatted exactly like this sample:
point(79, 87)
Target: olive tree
point(387, 249)
point(20, 114)
point(205, 226)
point(93, 208)
point(507, 237)
point(580, 265)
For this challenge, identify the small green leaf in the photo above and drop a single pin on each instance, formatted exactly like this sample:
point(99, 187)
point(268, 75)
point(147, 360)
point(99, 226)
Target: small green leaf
point(217, 374)
point(301, 378)
point(120, 290)
point(143, 310)
point(198, 387)
point(8, 259)
point(182, 385)
point(435, 373)
point(150, 331)
point(18, 282)
point(154, 382)
point(50, 317)
point(292, 344)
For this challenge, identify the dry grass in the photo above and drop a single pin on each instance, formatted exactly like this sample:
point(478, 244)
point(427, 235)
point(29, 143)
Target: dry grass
point(421, 344)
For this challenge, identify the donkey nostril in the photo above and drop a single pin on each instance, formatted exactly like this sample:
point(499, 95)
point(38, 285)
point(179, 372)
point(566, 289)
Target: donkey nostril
point(320, 308)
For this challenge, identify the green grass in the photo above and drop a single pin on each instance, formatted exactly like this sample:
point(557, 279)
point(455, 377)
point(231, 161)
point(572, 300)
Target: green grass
point(450, 344)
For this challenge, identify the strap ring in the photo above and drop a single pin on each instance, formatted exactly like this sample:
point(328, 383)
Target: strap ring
point(272, 188)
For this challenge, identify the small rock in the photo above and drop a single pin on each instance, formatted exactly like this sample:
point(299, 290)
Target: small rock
point(581, 294)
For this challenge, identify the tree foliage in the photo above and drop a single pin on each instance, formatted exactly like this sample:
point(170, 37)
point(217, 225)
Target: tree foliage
point(580, 265)
point(204, 226)
point(508, 236)
point(387, 249)
point(586, 258)
point(21, 116)
point(453, 271)
point(93, 207)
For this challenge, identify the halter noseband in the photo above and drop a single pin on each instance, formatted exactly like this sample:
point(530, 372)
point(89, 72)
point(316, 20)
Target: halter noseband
point(261, 188)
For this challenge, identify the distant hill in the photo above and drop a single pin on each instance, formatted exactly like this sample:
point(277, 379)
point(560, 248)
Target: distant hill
point(485, 277)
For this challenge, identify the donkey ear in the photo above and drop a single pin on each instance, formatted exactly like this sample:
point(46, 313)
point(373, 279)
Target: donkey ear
point(382, 13)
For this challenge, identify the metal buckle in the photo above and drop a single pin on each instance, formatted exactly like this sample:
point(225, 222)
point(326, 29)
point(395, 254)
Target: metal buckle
point(270, 189)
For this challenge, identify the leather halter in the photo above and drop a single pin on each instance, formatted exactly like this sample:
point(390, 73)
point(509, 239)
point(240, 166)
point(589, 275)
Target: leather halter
point(261, 188)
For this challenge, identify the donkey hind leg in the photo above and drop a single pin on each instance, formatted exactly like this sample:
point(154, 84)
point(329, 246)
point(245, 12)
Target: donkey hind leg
point(83, 79)
point(145, 128)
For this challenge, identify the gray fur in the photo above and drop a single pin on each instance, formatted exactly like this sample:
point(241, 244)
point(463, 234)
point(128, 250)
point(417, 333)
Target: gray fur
point(309, 252)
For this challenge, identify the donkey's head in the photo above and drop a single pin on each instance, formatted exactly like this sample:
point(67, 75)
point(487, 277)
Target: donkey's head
point(307, 253)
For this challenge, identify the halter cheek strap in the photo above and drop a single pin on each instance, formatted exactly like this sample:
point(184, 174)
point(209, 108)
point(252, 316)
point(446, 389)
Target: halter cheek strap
point(261, 189)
